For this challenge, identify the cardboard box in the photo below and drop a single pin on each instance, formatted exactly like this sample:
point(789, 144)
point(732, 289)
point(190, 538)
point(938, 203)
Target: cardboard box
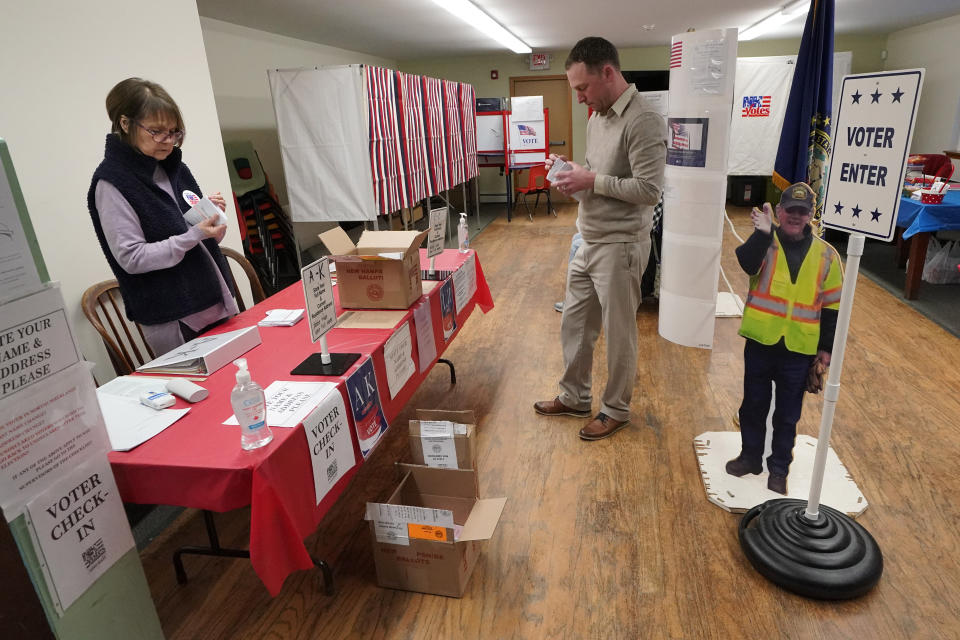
point(415, 553)
point(435, 450)
point(381, 272)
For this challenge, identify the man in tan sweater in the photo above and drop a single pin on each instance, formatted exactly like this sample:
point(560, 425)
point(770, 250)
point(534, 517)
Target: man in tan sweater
point(617, 186)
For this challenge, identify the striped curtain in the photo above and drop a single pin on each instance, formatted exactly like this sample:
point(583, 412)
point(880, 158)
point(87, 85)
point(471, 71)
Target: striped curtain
point(436, 135)
point(414, 138)
point(386, 162)
point(468, 119)
point(454, 132)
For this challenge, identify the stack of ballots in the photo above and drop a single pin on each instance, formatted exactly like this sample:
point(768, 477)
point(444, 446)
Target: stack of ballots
point(281, 318)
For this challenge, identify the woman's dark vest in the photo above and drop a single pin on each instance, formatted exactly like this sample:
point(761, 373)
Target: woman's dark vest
point(167, 294)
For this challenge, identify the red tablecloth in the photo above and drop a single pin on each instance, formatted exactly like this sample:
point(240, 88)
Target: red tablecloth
point(198, 462)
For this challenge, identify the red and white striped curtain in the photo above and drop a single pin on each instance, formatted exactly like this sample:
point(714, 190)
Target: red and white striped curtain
point(414, 138)
point(386, 161)
point(454, 131)
point(436, 135)
point(468, 119)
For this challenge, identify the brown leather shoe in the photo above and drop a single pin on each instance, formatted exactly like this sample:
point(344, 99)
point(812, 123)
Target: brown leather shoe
point(556, 408)
point(777, 483)
point(603, 426)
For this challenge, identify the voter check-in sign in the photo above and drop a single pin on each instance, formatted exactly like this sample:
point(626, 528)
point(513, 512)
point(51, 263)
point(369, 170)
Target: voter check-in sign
point(872, 133)
point(318, 295)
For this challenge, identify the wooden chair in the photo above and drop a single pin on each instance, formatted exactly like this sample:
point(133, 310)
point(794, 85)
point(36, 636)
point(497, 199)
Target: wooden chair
point(256, 289)
point(124, 340)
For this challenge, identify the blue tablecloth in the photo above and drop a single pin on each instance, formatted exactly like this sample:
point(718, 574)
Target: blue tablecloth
point(916, 217)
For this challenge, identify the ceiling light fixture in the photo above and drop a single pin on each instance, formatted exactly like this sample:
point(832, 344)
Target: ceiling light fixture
point(472, 15)
point(781, 16)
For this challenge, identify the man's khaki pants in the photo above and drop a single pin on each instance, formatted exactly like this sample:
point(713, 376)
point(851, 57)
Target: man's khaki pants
point(603, 291)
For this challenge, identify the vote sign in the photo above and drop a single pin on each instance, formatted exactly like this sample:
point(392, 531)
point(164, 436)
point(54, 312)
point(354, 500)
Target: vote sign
point(318, 296)
point(872, 133)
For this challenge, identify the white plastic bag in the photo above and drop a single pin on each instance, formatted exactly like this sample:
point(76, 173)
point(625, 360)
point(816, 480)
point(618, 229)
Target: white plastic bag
point(942, 268)
point(933, 250)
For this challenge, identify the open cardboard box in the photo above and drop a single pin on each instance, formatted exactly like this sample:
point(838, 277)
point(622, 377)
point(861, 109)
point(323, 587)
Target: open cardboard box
point(382, 271)
point(435, 451)
point(430, 558)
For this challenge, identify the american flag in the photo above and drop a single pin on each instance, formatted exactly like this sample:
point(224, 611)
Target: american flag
point(676, 54)
point(680, 138)
point(526, 130)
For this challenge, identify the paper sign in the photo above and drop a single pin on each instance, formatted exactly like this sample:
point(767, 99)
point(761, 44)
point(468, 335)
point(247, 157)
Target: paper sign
point(368, 418)
point(80, 528)
point(398, 358)
point(53, 425)
point(448, 313)
point(18, 271)
point(35, 340)
point(526, 107)
point(392, 522)
point(438, 231)
point(427, 532)
point(872, 133)
point(329, 443)
point(426, 343)
point(318, 294)
point(436, 440)
point(465, 283)
point(288, 403)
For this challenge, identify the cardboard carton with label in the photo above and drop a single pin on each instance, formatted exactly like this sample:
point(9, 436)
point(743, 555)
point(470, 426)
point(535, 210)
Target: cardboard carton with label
point(444, 439)
point(382, 271)
point(427, 536)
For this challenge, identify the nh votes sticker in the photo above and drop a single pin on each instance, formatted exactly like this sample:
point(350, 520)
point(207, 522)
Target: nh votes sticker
point(191, 198)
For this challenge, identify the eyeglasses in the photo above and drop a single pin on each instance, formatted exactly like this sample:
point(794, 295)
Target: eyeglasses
point(174, 135)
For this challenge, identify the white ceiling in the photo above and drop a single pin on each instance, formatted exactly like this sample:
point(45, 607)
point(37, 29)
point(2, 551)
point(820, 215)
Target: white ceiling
point(410, 29)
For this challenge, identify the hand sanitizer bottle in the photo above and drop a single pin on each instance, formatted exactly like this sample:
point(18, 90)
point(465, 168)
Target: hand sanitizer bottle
point(250, 407)
point(463, 235)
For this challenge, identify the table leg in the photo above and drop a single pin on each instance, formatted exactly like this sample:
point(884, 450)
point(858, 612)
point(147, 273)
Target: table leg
point(216, 550)
point(918, 255)
point(903, 247)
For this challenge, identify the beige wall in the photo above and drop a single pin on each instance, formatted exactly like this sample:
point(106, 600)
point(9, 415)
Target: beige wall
point(58, 60)
point(476, 70)
point(239, 58)
point(933, 47)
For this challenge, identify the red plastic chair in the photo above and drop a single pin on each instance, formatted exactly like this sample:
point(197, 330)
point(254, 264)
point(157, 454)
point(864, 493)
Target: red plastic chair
point(536, 183)
point(937, 165)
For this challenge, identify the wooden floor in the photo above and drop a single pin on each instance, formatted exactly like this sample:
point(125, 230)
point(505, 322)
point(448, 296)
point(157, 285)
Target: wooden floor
point(615, 539)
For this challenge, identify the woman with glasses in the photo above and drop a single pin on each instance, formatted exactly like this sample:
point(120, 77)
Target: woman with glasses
point(172, 276)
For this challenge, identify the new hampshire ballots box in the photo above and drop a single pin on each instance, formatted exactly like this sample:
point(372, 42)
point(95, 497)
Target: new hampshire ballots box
point(381, 272)
point(428, 535)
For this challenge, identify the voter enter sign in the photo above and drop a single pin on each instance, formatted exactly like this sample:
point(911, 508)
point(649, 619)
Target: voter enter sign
point(872, 133)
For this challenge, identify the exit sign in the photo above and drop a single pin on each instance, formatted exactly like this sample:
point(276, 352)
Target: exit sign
point(539, 61)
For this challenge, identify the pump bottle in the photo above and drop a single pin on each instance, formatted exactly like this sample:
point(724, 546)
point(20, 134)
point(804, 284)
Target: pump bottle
point(250, 407)
point(463, 235)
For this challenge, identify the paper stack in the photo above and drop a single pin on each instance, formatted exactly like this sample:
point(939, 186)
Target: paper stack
point(281, 318)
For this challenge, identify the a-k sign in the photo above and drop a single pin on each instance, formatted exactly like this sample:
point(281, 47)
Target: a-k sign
point(872, 133)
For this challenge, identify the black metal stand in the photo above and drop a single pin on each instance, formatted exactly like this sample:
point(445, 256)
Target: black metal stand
point(830, 557)
point(314, 366)
point(216, 550)
point(453, 372)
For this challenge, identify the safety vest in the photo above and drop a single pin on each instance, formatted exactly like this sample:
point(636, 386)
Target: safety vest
point(779, 308)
